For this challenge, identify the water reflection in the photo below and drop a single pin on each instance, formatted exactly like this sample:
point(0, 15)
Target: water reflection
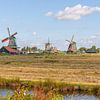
point(80, 97)
point(5, 92)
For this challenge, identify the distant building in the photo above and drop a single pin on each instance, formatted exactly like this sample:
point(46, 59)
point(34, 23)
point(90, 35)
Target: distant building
point(30, 50)
point(54, 50)
point(92, 50)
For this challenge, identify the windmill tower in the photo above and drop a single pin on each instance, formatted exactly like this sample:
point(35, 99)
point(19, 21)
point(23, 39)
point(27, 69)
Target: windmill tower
point(11, 39)
point(72, 46)
point(48, 46)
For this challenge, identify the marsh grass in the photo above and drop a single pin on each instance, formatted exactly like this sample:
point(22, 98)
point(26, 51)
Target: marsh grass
point(47, 89)
point(56, 86)
point(51, 85)
point(55, 72)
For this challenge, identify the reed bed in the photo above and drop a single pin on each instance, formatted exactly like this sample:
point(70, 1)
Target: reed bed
point(50, 85)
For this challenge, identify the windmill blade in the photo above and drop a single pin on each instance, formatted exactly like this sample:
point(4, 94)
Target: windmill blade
point(8, 31)
point(72, 38)
point(13, 34)
point(4, 40)
point(68, 41)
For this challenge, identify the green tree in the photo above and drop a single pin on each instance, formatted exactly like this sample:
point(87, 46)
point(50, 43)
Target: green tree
point(82, 49)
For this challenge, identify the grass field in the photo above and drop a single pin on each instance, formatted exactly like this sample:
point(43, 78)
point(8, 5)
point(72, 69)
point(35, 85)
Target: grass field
point(69, 68)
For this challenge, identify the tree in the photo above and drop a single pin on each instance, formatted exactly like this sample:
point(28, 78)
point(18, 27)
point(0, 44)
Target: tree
point(82, 49)
point(34, 48)
point(93, 47)
point(23, 49)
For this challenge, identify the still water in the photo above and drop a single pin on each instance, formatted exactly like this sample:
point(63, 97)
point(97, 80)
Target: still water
point(5, 92)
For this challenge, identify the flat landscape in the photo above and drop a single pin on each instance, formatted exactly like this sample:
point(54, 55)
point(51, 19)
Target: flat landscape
point(84, 68)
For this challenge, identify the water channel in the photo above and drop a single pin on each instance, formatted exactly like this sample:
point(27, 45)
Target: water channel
point(5, 92)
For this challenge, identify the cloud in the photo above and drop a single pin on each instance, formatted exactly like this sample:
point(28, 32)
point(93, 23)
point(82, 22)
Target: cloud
point(49, 14)
point(95, 36)
point(34, 33)
point(73, 13)
point(91, 40)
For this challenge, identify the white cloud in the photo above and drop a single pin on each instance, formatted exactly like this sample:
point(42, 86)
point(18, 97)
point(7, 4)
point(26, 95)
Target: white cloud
point(91, 40)
point(49, 14)
point(34, 33)
point(73, 13)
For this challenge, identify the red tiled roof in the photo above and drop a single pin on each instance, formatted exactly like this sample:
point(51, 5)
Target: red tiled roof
point(10, 49)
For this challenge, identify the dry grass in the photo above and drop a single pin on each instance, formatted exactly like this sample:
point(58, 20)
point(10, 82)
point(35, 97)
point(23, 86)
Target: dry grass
point(68, 68)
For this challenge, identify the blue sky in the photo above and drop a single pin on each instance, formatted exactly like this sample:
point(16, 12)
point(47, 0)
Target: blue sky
point(36, 20)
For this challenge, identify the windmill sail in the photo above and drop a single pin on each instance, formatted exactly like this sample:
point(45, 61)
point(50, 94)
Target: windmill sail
point(6, 39)
point(68, 41)
point(72, 38)
point(13, 34)
point(8, 31)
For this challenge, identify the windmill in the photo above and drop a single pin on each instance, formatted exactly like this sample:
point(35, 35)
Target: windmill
point(11, 39)
point(48, 46)
point(72, 46)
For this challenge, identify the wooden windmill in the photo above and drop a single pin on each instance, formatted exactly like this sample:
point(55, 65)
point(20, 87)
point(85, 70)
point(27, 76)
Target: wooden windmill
point(72, 46)
point(11, 39)
point(48, 46)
